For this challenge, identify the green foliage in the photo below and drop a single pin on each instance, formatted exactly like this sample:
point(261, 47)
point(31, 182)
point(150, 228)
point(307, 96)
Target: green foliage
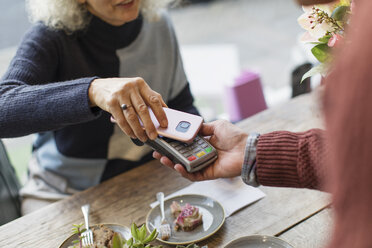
point(324, 39)
point(341, 13)
point(139, 238)
point(337, 23)
point(117, 241)
point(142, 233)
point(77, 230)
point(321, 52)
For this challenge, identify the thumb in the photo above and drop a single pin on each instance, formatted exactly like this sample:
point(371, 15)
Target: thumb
point(207, 129)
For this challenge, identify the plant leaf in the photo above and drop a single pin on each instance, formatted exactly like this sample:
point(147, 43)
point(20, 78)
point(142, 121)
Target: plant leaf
point(324, 39)
point(117, 241)
point(139, 240)
point(133, 230)
point(321, 52)
point(151, 237)
point(130, 242)
point(319, 69)
point(340, 13)
point(142, 233)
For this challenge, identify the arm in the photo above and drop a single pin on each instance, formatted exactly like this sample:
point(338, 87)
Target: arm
point(34, 102)
point(290, 159)
point(283, 158)
point(29, 101)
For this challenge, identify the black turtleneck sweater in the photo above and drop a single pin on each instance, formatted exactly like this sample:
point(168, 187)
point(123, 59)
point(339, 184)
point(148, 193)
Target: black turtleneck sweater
point(45, 91)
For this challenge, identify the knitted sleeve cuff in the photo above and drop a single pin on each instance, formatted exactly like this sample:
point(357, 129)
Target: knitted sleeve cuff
point(277, 155)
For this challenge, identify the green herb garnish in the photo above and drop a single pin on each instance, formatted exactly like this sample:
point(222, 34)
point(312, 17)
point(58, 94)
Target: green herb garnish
point(78, 230)
point(139, 238)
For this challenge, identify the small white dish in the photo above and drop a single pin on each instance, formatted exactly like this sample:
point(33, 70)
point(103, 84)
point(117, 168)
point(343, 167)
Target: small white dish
point(258, 241)
point(213, 219)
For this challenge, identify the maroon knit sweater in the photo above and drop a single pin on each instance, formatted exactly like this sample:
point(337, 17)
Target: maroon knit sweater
point(297, 160)
point(290, 159)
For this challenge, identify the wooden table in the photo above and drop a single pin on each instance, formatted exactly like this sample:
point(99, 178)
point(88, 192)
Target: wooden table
point(299, 216)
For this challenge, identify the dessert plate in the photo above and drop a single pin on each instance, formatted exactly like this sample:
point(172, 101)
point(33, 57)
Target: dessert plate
point(258, 241)
point(213, 218)
point(123, 230)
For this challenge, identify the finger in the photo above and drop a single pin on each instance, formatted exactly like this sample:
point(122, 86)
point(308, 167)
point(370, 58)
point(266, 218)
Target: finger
point(166, 161)
point(118, 118)
point(180, 169)
point(207, 129)
point(144, 114)
point(133, 121)
point(156, 155)
point(156, 103)
point(163, 159)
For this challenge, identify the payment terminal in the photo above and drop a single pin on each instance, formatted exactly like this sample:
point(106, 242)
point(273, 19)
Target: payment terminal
point(193, 157)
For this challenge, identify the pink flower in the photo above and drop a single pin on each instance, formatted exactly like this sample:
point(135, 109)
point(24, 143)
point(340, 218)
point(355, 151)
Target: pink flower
point(335, 40)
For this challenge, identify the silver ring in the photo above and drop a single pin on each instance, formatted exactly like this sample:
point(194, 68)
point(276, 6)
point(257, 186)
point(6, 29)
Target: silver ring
point(125, 106)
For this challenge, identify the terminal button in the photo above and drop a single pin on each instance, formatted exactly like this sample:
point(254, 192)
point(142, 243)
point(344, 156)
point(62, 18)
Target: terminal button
point(202, 153)
point(191, 158)
point(208, 149)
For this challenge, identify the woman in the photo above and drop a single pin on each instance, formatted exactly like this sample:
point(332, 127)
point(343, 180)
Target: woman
point(74, 69)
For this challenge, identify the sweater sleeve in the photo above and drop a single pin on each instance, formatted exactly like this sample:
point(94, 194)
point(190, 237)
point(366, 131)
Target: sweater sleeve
point(288, 159)
point(31, 100)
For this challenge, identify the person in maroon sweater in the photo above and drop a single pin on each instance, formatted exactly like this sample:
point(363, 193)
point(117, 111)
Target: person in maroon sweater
point(300, 159)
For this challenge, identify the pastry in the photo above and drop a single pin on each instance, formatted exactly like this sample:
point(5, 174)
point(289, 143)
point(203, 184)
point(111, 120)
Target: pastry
point(187, 217)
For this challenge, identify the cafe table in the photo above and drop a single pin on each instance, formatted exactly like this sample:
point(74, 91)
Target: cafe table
point(301, 217)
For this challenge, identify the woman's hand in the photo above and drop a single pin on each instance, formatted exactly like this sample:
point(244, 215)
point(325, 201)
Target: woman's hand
point(230, 142)
point(110, 93)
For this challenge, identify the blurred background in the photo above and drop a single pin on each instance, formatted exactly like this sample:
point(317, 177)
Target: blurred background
point(225, 44)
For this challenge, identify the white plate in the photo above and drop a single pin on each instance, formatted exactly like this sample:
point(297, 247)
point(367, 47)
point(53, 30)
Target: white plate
point(213, 218)
point(258, 241)
point(122, 230)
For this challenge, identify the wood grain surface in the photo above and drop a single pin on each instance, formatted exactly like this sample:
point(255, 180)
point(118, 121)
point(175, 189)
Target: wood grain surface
point(284, 212)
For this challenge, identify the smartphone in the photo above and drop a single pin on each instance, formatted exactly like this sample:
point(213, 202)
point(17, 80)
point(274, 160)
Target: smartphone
point(194, 156)
point(181, 126)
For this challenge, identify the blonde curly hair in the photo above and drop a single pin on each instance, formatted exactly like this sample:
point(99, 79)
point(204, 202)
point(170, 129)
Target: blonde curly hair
point(71, 16)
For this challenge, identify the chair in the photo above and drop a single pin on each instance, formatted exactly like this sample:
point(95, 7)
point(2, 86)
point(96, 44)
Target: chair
point(298, 87)
point(10, 205)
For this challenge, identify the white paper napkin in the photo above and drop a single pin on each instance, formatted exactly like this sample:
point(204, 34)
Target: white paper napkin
point(233, 194)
